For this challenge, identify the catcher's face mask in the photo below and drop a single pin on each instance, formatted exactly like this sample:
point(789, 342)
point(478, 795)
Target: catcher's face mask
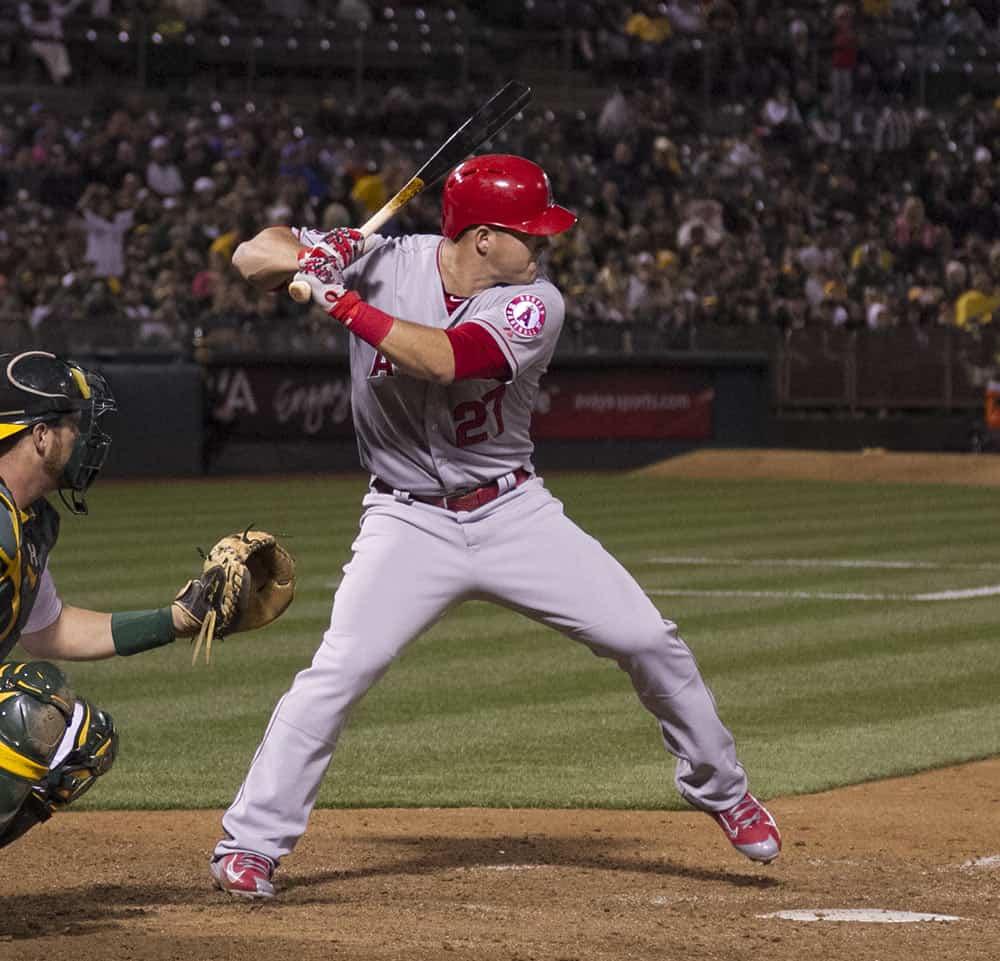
point(91, 448)
point(38, 387)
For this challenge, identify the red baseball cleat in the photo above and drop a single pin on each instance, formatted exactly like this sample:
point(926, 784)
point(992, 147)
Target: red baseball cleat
point(751, 829)
point(244, 875)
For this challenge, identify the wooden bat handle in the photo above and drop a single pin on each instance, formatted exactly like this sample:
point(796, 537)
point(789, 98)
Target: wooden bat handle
point(299, 291)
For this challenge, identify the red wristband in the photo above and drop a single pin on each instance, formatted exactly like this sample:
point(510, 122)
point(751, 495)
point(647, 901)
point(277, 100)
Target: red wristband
point(369, 323)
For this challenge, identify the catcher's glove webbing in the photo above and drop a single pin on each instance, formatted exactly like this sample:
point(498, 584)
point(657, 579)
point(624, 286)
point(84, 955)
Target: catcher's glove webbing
point(246, 581)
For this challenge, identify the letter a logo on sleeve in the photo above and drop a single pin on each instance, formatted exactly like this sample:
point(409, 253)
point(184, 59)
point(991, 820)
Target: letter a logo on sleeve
point(525, 314)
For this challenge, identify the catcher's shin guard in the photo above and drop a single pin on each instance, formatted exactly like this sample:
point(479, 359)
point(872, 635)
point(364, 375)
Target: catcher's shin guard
point(90, 746)
point(52, 745)
point(36, 707)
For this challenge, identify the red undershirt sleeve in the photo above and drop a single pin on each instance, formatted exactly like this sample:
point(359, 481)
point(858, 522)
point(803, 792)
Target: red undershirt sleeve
point(477, 354)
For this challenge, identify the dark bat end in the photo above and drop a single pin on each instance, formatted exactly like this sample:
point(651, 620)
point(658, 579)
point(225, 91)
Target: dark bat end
point(483, 125)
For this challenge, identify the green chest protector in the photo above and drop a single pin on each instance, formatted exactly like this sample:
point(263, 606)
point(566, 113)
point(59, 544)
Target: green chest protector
point(26, 540)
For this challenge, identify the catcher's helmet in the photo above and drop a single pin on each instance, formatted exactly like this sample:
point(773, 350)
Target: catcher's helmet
point(501, 190)
point(39, 387)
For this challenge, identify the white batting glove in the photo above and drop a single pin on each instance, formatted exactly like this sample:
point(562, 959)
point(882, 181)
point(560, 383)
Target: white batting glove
point(324, 277)
point(342, 246)
point(326, 284)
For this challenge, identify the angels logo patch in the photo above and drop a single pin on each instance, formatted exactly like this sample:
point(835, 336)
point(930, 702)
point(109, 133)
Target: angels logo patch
point(525, 314)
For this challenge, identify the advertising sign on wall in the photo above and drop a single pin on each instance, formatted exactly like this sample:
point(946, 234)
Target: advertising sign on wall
point(281, 401)
point(624, 403)
point(299, 401)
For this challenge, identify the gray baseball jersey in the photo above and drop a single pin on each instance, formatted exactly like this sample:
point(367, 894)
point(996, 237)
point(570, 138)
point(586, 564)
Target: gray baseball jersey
point(432, 439)
point(412, 561)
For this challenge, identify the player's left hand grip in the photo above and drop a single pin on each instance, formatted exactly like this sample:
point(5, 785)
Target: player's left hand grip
point(299, 291)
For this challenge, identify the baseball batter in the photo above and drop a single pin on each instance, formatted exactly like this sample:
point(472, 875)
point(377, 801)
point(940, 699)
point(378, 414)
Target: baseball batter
point(451, 337)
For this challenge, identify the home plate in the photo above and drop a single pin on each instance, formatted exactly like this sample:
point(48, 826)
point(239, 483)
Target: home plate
point(869, 915)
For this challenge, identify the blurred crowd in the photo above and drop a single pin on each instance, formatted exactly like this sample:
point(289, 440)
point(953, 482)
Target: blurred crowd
point(811, 190)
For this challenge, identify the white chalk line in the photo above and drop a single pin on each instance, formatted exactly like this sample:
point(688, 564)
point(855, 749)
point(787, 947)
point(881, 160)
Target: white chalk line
point(990, 590)
point(507, 867)
point(683, 561)
point(960, 595)
point(793, 595)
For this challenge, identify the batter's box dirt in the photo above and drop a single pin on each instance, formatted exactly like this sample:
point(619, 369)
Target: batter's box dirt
point(426, 885)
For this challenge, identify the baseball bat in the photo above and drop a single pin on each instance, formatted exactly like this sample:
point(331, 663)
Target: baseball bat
point(486, 122)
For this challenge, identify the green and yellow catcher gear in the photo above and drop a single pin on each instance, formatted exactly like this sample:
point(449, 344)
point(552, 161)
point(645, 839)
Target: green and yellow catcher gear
point(41, 720)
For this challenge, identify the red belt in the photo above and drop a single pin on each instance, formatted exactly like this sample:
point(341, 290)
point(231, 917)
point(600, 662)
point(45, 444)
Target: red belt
point(468, 501)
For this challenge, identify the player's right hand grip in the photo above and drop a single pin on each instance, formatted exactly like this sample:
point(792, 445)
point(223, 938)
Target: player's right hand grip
point(299, 291)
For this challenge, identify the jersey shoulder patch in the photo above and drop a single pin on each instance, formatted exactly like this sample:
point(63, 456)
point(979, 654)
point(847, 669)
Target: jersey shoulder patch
point(526, 309)
point(525, 314)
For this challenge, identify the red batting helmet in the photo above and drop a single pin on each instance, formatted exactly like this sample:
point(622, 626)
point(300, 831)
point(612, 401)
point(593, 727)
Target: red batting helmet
point(501, 190)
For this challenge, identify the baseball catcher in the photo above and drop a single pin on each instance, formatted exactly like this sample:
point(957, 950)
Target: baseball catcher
point(53, 743)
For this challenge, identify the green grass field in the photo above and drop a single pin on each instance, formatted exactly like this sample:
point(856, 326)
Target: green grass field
point(829, 621)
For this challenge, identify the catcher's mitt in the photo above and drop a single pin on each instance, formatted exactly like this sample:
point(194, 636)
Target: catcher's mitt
point(247, 581)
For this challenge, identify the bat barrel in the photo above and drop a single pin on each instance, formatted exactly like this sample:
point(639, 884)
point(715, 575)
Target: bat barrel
point(480, 127)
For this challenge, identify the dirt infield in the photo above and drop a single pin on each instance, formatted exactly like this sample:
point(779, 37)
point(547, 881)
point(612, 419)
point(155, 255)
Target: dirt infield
point(481, 885)
point(872, 464)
